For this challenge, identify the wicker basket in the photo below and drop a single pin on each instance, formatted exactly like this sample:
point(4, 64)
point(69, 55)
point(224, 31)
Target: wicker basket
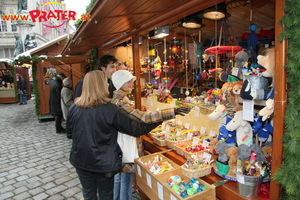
point(171, 144)
point(179, 150)
point(196, 173)
point(159, 142)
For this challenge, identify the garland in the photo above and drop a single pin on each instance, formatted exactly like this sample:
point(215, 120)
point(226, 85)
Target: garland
point(87, 10)
point(35, 90)
point(288, 175)
point(93, 65)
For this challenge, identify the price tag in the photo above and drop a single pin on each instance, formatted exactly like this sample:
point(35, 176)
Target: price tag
point(197, 111)
point(168, 128)
point(187, 125)
point(212, 133)
point(235, 71)
point(195, 128)
point(195, 141)
point(149, 181)
point(172, 197)
point(202, 130)
point(160, 191)
point(179, 122)
point(172, 104)
point(248, 110)
point(189, 135)
point(178, 132)
point(151, 102)
point(240, 179)
point(167, 134)
point(163, 125)
point(139, 170)
point(207, 157)
point(205, 143)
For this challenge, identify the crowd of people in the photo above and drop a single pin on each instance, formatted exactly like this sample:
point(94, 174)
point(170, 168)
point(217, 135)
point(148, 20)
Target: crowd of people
point(104, 127)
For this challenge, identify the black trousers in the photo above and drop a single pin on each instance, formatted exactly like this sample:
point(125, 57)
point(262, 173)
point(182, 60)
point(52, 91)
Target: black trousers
point(91, 182)
point(58, 120)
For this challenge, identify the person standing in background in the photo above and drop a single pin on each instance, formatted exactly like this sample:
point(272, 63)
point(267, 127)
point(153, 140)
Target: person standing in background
point(22, 90)
point(107, 64)
point(55, 101)
point(67, 98)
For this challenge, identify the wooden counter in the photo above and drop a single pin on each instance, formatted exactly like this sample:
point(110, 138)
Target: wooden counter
point(7, 96)
point(227, 191)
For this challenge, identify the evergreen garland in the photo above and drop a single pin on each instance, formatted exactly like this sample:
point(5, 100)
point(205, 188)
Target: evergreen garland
point(288, 175)
point(35, 90)
point(87, 10)
point(94, 61)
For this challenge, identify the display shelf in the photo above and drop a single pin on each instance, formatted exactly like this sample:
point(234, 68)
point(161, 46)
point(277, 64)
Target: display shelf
point(226, 191)
point(256, 102)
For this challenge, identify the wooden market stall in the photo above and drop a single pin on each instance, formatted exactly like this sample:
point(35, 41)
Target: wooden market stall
point(49, 63)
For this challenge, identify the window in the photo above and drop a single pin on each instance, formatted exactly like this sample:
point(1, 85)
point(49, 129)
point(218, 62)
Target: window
point(3, 27)
point(13, 26)
point(7, 53)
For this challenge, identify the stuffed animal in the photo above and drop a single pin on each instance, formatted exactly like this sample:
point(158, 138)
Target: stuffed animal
point(219, 114)
point(236, 91)
point(212, 144)
point(232, 154)
point(268, 110)
point(225, 135)
point(267, 151)
point(240, 59)
point(258, 152)
point(220, 149)
point(243, 129)
point(268, 62)
point(264, 133)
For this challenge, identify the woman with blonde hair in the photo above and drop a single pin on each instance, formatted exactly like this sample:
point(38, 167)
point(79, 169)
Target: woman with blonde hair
point(93, 123)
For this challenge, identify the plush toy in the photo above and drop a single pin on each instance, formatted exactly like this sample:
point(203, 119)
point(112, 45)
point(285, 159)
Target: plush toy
point(212, 144)
point(240, 59)
point(268, 110)
point(268, 62)
point(225, 135)
point(220, 149)
point(236, 91)
point(252, 43)
point(264, 133)
point(258, 152)
point(233, 156)
point(267, 151)
point(243, 129)
point(243, 152)
point(219, 114)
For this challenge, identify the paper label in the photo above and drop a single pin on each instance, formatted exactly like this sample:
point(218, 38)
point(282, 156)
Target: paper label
point(187, 125)
point(212, 133)
point(248, 110)
point(149, 181)
point(195, 141)
point(202, 130)
point(139, 170)
point(197, 111)
point(160, 191)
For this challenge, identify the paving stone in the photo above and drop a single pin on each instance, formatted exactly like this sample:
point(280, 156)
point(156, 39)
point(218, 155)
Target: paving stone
point(22, 196)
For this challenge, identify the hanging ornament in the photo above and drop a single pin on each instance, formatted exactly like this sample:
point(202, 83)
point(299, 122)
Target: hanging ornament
point(175, 49)
point(166, 67)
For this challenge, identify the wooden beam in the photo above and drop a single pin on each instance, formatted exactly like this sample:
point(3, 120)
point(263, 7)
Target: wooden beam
point(280, 99)
point(137, 71)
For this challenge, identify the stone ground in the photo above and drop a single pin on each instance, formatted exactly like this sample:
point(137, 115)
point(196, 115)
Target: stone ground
point(34, 159)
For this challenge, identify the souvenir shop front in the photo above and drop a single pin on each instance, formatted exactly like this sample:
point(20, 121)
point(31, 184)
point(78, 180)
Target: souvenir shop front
point(223, 67)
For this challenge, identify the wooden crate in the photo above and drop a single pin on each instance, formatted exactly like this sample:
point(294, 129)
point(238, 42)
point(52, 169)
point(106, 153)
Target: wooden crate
point(155, 187)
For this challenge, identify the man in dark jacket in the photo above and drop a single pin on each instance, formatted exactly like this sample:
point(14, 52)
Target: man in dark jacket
point(55, 101)
point(108, 64)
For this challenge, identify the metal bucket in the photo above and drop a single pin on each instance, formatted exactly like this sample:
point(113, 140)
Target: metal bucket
point(248, 186)
point(257, 82)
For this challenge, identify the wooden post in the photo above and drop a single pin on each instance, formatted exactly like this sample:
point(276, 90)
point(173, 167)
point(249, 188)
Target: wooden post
point(280, 99)
point(137, 71)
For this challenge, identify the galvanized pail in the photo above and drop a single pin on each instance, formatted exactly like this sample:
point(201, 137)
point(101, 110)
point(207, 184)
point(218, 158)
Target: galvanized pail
point(248, 186)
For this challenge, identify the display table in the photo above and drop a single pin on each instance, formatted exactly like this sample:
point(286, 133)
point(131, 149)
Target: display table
point(7, 96)
point(227, 191)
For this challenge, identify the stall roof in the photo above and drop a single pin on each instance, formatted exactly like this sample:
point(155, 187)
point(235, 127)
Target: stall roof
point(62, 60)
point(114, 22)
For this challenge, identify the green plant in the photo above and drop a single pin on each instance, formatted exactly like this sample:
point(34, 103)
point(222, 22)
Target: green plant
point(288, 174)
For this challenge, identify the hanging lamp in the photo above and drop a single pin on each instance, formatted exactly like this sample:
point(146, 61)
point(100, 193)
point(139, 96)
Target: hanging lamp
point(217, 12)
point(192, 22)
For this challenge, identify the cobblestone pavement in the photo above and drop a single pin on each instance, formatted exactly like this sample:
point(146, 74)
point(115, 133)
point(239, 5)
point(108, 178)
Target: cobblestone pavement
point(34, 161)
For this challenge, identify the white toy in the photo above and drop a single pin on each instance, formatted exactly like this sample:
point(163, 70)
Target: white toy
point(267, 111)
point(218, 114)
point(243, 129)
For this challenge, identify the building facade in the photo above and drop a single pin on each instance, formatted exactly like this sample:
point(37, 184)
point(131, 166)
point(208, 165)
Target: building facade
point(38, 32)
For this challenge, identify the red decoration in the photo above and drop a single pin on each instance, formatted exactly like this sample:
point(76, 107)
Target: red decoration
point(175, 49)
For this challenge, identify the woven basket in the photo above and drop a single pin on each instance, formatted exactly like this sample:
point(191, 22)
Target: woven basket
point(171, 144)
point(179, 150)
point(196, 173)
point(159, 142)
